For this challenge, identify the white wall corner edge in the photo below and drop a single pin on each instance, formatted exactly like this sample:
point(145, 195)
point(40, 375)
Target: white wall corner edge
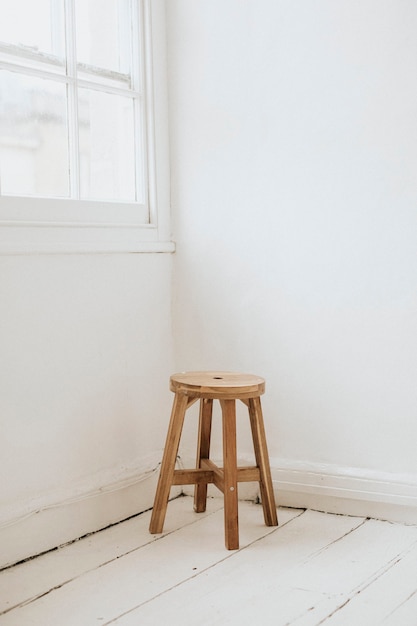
point(346, 491)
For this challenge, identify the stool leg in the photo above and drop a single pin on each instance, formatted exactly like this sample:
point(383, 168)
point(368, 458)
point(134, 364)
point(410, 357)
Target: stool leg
point(203, 451)
point(168, 463)
point(231, 523)
point(262, 461)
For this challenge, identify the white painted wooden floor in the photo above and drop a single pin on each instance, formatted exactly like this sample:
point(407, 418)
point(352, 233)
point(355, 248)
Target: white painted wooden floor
point(315, 568)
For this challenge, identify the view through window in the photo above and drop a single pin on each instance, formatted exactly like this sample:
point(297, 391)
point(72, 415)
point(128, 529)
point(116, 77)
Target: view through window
point(72, 119)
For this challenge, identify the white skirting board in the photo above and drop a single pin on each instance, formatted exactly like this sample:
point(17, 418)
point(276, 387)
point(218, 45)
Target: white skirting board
point(332, 489)
point(55, 519)
point(346, 491)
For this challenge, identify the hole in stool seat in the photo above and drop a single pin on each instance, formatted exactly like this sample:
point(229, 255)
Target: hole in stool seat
point(218, 377)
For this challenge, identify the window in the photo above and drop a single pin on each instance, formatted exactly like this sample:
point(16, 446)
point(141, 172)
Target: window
point(83, 143)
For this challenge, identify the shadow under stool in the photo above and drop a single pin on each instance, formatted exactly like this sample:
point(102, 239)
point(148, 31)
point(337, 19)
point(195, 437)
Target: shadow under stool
point(227, 387)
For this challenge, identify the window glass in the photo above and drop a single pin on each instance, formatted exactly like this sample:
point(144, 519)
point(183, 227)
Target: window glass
point(107, 146)
point(35, 25)
point(34, 156)
point(104, 34)
point(71, 128)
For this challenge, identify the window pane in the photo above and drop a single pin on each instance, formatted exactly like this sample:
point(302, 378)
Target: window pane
point(35, 25)
point(104, 34)
point(33, 136)
point(107, 146)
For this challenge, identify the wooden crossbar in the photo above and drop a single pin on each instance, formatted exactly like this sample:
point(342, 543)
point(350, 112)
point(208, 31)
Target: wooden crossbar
point(210, 473)
point(192, 477)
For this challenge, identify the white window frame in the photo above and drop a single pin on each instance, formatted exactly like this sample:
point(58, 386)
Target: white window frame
point(49, 225)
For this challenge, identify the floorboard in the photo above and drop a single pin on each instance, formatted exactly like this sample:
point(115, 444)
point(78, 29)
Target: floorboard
point(252, 584)
point(314, 568)
point(35, 577)
point(405, 613)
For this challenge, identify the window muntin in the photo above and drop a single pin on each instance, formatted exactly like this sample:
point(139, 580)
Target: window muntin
point(72, 103)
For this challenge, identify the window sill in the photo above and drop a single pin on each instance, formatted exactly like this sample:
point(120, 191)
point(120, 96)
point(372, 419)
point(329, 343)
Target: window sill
point(72, 238)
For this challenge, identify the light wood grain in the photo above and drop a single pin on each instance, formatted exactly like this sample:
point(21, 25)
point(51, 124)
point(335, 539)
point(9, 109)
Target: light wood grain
point(203, 450)
point(168, 463)
point(217, 384)
point(231, 522)
point(262, 461)
point(226, 387)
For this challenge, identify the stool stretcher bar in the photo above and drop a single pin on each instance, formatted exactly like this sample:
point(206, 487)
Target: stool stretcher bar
point(214, 475)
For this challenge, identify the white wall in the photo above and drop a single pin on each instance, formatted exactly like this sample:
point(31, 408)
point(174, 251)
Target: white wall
point(86, 354)
point(294, 154)
point(294, 145)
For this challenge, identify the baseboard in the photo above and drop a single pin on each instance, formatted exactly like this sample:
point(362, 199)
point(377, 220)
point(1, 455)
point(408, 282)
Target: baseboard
point(56, 519)
point(346, 491)
point(333, 489)
point(47, 523)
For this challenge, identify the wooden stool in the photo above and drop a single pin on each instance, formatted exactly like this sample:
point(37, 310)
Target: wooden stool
point(206, 387)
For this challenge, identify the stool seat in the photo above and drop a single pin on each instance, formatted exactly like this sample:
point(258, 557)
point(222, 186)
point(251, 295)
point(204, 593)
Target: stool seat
point(227, 387)
point(217, 385)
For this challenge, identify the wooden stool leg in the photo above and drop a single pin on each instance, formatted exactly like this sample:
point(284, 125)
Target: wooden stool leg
point(203, 451)
point(168, 463)
point(231, 523)
point(262, 461)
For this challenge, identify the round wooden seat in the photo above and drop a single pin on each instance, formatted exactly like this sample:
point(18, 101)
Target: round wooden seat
point(226, 387)
point(217, 385)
